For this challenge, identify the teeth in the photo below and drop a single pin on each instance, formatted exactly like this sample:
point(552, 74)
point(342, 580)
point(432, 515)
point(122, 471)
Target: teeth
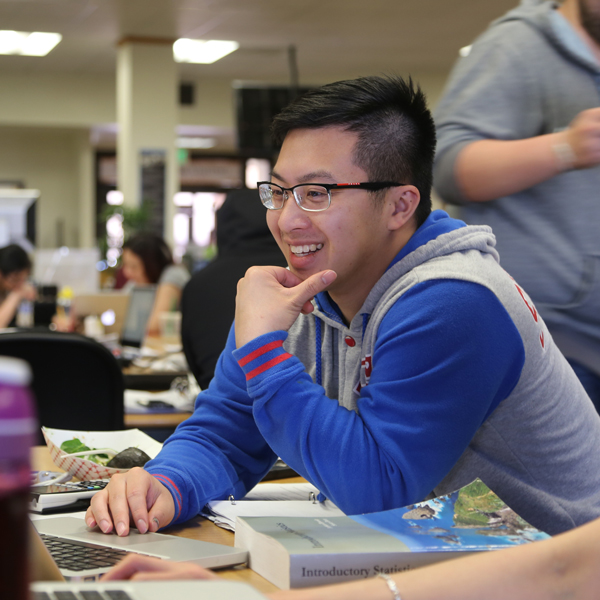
point(302, 250)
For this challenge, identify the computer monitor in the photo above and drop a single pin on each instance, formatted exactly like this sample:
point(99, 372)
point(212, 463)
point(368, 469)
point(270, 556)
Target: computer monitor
point(72, 267)
point(17, 217)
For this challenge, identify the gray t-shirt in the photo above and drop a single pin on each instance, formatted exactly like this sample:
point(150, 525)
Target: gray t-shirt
point(175, 275)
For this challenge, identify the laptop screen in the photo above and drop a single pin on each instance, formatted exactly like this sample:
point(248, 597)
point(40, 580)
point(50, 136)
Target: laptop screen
point(140, 305)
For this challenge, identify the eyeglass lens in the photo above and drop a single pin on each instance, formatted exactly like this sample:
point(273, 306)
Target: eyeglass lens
point(309, 197)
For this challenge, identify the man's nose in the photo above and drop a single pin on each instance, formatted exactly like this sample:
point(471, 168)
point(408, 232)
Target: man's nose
point(291, 215)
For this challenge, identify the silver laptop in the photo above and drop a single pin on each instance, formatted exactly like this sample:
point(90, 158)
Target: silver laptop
point(146, 590)
point(98, 548)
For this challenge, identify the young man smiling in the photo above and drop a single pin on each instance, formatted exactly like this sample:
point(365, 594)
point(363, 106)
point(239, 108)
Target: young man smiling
point(393, 359)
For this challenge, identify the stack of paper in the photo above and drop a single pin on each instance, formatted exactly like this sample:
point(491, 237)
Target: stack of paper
point(271, 500)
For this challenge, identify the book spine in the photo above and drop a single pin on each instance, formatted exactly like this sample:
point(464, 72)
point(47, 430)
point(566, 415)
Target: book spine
point(319, 569)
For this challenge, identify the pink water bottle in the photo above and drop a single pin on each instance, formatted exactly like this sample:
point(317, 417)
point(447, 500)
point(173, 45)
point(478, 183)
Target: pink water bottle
point(18, 428)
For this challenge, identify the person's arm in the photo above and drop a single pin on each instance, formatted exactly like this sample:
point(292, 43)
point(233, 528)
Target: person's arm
point(447, 353)
point(563, 567)
point(216, 452)
point(9, 307)
point(490, 169)
point(168, 295)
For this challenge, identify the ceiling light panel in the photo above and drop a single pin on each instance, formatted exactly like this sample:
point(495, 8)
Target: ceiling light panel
point(25, 43)
point(202, 51)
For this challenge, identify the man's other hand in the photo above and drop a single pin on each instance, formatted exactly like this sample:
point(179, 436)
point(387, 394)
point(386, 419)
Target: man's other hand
point(134, 497)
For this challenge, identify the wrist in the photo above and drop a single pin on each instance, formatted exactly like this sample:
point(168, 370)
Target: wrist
point(564, 155)
point(391, 584)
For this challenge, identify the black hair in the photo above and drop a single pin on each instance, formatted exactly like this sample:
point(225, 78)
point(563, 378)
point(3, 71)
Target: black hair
point(152, 251)
point(396, 132)
point(13, 259)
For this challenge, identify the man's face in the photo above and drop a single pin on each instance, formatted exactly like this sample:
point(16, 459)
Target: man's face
point(589, 11)
point(351, 236)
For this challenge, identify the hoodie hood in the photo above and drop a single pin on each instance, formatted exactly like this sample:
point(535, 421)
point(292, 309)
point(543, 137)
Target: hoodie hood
point(242, 226)
point(543, 16)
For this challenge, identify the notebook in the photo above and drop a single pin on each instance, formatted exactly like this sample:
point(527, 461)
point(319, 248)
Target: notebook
point(98, 547)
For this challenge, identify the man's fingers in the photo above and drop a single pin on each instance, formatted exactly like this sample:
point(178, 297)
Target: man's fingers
point(100, 513)
point(162, 512)
point(139, 493)
point(312, 286)
point(128, 495)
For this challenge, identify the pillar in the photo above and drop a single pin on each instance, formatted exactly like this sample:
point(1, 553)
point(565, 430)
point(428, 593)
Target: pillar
point(147, 119)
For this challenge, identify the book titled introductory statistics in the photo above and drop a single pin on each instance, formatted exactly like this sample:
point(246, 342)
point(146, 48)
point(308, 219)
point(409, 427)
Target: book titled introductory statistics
point(295, 552)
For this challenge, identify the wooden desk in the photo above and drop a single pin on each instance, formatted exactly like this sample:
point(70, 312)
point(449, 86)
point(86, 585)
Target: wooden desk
point(155, 420)
point(197, 528)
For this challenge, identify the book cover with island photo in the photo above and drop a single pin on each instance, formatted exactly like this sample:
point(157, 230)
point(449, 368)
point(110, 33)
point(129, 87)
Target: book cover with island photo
point(295, 552)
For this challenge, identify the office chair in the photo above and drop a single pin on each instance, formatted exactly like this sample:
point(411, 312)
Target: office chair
point(77, 383)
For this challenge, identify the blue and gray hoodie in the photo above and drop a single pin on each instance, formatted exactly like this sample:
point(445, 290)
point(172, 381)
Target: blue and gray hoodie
point(447, 373)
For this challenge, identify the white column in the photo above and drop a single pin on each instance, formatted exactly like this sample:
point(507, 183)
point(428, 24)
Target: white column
point(87, 199)
point(147, 117)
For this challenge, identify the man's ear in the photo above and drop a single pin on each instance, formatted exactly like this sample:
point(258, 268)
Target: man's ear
point(403, 203)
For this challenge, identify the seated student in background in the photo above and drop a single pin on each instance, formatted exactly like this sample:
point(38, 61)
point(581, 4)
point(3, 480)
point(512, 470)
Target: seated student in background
point(394, 359)
point(208, 301)
point(15, 269)
point(565, 566)
point(148, 260)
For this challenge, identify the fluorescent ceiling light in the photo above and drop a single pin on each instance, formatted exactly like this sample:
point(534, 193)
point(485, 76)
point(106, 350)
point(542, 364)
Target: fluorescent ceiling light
point(28, 44)
point(201, 51)
point(196, 142)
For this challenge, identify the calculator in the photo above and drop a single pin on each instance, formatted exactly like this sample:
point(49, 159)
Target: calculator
point(61, 497)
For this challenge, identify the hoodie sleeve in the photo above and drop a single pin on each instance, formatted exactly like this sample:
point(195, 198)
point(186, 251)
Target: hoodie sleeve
point(491, 94)
point(218, 451)
point(446, 356)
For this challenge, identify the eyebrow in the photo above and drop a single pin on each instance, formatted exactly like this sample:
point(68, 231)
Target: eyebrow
point(308, 178)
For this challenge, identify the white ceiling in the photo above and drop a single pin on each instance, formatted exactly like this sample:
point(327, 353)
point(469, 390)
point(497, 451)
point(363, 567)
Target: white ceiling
point(334, 38)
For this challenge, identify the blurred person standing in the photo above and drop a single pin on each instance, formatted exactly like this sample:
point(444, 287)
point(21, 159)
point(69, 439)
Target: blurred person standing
point(208, 301)
point(519, 150)
point(15, 269)
point(147, 260)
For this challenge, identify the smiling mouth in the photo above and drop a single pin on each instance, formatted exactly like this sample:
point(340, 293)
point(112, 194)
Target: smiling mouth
point(306, 249)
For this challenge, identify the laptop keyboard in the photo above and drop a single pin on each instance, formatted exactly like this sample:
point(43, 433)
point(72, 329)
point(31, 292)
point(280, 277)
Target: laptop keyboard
point(81, 595)
point(81, 556)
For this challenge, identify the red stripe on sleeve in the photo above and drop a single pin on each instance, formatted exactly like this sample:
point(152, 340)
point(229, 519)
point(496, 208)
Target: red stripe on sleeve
point(178, 500)
point(264, 367)
point(259, 352)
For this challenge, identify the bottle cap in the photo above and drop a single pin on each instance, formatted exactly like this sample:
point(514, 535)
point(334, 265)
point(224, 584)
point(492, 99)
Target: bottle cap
point(14, 371)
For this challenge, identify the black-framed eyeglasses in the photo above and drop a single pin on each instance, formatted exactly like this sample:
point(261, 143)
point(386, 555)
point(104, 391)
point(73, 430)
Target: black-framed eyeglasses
point(313, 197)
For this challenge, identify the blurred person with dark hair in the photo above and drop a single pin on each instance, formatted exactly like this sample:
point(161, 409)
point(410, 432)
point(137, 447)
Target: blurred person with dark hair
point(15, 269)
point(208, 301)
point(519, 150)
point(147, 260)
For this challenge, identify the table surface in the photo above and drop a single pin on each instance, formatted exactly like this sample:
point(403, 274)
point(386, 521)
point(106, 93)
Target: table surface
point(197, 528)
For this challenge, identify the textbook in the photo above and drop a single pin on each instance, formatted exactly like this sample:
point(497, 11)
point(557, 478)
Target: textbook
point(294, 552)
